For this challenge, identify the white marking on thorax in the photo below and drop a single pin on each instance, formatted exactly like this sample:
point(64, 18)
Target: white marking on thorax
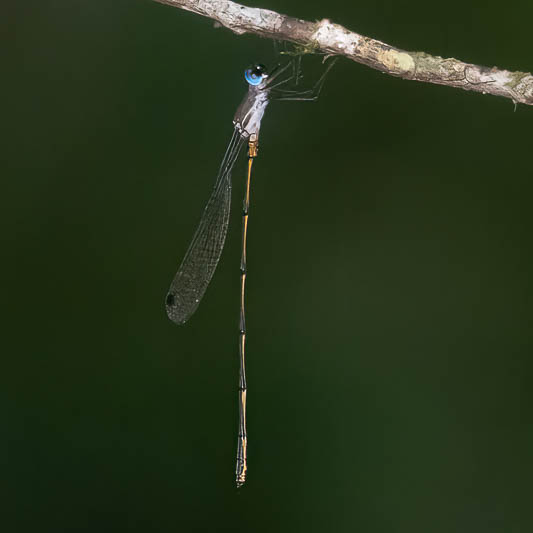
point(251, 122)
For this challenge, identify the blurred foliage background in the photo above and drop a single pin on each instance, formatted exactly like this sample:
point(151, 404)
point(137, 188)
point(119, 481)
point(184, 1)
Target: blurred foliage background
point(389, 292)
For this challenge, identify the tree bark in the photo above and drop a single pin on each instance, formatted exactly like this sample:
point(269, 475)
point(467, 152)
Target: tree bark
point(332, 39)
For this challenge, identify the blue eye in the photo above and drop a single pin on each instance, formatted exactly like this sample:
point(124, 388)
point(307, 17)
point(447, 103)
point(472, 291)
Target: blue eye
point(252, 78)
point(255, 75)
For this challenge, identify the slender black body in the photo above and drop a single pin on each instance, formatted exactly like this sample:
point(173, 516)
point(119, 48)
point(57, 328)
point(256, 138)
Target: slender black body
point(201, 259)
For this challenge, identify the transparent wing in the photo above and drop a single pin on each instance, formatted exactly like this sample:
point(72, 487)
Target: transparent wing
point(201, 259)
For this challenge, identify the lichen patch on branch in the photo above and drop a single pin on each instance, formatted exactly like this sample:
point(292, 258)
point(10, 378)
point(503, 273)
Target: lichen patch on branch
point(335, 38)
point(396, 62)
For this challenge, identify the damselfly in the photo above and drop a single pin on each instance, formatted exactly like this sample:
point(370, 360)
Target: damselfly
point(201, 259)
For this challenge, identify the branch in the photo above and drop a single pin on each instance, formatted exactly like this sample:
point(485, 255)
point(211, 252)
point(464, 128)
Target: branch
point(329, 38)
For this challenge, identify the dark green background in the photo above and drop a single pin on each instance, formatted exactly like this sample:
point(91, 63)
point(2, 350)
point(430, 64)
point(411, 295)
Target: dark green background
point(390, 296)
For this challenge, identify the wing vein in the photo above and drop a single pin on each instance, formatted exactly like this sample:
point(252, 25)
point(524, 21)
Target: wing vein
point(200, 261)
